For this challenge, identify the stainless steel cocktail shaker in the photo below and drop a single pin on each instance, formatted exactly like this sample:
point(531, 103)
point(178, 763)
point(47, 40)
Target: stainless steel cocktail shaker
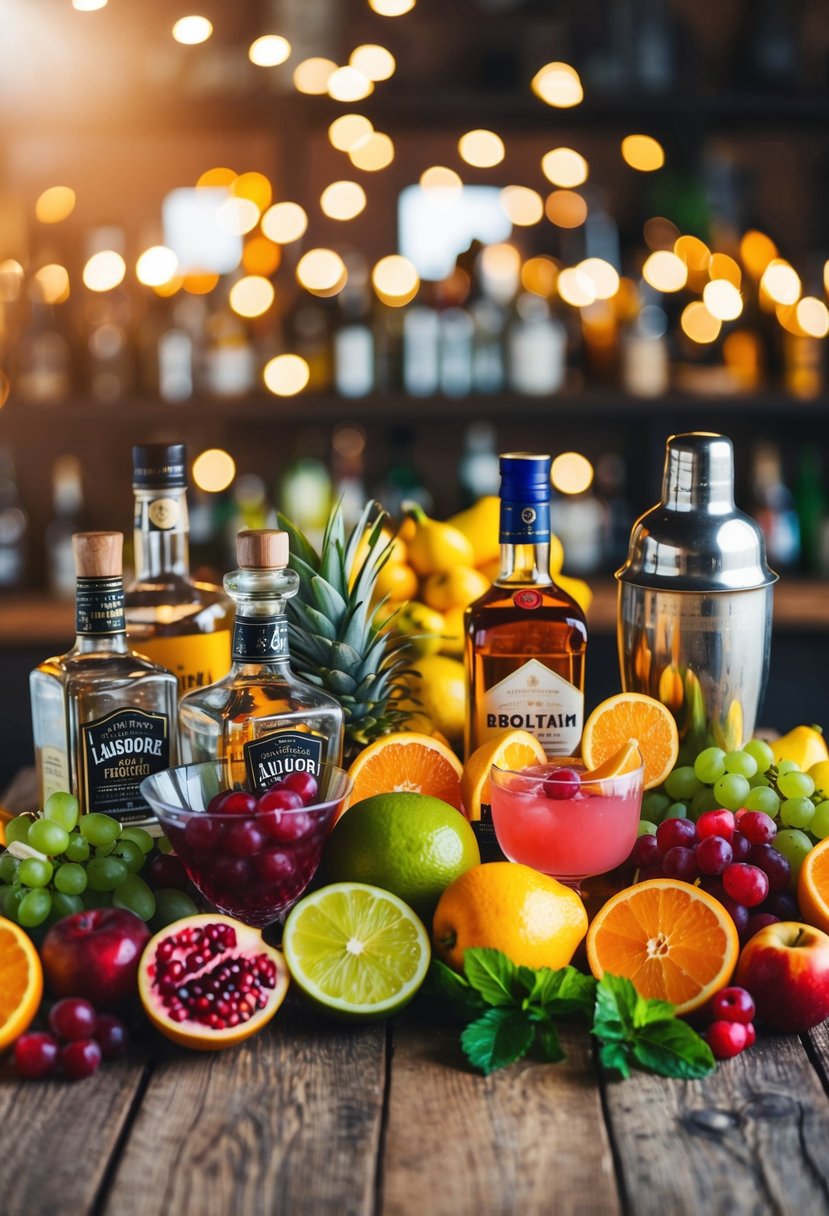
point(695, 600)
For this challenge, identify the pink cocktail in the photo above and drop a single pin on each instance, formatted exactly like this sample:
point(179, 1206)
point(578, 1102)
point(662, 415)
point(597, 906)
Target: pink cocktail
point(557, 819)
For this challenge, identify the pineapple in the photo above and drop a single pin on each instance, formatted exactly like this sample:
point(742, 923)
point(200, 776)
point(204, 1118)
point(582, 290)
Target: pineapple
point(338, 640)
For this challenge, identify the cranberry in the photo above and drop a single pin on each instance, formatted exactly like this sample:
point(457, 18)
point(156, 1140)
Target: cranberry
point(279, 800)
point(561, 784)
point(675, 833)
point(716, 823)
point(304, 784)
point(732, 1005)
point(111, 1036)
point(243, 839)
point(72, 1018)
point(80, 1059)
point(203, 832)
point(275, 865)
point(36, 1055)
point(165, 870)
point(238, 802)
point(231, 872)
point(290, 826)
point(751, 1034)
point(726, 1039)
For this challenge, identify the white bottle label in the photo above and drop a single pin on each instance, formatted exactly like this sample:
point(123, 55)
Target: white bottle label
point(536, 699)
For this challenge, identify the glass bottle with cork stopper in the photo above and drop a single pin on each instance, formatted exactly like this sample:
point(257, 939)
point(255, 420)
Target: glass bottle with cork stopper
point(104, 716)
point(261, 717)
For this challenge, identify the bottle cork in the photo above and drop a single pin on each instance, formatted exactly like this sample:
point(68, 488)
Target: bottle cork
point(262, 549)
point(98, 554)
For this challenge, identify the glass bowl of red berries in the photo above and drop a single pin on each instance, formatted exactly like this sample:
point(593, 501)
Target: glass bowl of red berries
point(250, 854)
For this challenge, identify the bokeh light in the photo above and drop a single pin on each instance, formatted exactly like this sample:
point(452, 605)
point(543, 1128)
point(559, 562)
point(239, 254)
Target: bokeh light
point(104, 270)
point(539, 275)
point(89, 6)
point(216, 178)
point(343, 200)
point(558, 84)
point(603, 276)
point(722, 299)
point(269, 50)
point(348, 84)
point(192, 30)
point(694, 253)
point(576, 288)
point(660, 233)
point(665, 271)
point(643, 152)
point(55, 204)
point(200, 284)
point(322, 272)
point(439, 177)
point(522, 205)
point(395, 280)
point(251, 296)
point(571, 473)
point(52, 283)
point(284, 222)
point(781, 282)
point(238, 215)
point(756, 251)
point(698, 323)
point(565, 209)
point(255, 187)
point(500, 267)
point(372, 154)
point(391, 8)
point(564, 167)
point(813, 317)
point(286, 375)
point(481, 148)
point(311, 75)
point(214, 470)
point(349, 130)
point(156, 266)
point(261, 256)
point(721, 266)
point(375, 62)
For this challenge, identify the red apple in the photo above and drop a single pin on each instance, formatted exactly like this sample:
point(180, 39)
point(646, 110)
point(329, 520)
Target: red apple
point(785, 967)
point(95, 954)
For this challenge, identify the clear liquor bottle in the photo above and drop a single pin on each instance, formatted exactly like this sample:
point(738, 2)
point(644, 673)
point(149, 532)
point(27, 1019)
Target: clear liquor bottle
point(526, 638)
point(182, 624)
point(104, 717)
point(261, 717)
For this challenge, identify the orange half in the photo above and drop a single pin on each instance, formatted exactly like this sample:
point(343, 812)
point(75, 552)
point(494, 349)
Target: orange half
point(408, 761)
point(511, 750)
point(21, 982)
point(632, 717)
point(813, 887)
point(673, 941)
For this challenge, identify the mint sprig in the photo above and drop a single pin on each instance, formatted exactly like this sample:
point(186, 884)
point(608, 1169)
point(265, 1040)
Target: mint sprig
point(513, 1010)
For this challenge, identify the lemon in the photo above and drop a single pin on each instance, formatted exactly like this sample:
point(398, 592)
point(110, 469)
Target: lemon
point(438, 692)
point(411, 844)
point(356, 951)
point(454, 588)
point(421, 625)
point(452, 641)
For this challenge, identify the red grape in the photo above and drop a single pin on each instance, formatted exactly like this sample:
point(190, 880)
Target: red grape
point(111, 1036)
point(782, 904)
point(672, 833)
point(645, 851)
point(747, 884)
point(758, 921)
point(679, 862)
point(35, 1055)
point(737, 911)
point(740, 846)
point(716, 823)
point(758, 827)
point(562, 784)
point(72, 1018)
point(773, 864)
point(80, 1059)
point(279, 800)
point(713, 854)
point(304, 784)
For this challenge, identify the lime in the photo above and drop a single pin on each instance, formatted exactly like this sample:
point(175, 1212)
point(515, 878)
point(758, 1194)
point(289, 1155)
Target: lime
point(356, 951)
point(411, 844)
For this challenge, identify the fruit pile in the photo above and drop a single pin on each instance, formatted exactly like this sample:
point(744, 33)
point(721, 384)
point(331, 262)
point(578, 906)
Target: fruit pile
point(77, 1041)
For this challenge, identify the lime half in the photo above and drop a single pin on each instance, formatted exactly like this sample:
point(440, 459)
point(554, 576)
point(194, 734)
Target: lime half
point(355, 950)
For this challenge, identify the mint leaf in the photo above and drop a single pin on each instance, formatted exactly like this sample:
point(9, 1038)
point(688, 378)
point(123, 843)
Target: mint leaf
point(673, 1049)
point(562, 992)
point(616, 1000)
point(445, 983)
point(652, 1011)
point(491, 974)
point(547, 1040)
point(617, 1056)
point(500, 1037)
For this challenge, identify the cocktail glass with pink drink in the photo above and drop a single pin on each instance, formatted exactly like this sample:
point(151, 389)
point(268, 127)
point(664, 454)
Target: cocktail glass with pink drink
point(558, 819)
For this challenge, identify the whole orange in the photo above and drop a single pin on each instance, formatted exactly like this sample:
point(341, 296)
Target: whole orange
point(534, 920)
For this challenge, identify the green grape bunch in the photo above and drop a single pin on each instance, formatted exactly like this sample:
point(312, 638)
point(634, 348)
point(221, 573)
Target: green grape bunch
point(61, 862)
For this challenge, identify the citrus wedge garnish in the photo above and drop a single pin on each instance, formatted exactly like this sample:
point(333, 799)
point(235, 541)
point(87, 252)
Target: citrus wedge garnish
point(626, 760)
point(512, 751)
point(673, 941)
point(632, 715)
point(355, 950)
point(813, 886)
point(21, 981)
point(407, 761)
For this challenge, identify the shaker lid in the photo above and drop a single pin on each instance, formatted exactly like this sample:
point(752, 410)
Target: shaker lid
point(696, 539)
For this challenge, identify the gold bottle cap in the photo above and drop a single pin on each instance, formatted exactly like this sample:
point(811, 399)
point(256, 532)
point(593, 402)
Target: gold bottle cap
point(98, 554)
point(262, 549)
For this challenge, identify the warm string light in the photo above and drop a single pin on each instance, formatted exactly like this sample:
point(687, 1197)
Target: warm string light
point(558, 84)
point(665, 271)
point(375, 62)
point(104, 271)
point(565, 209)
point(395, 280)
point(564, 167)
point(571, 473)
point(439, 177)
point(522, 206)
point(156, 266)
point(481, 148)
point(192, 30)
point(391, 8)
point(348, 131)
point(284, 223)
point(55, 204)
point(311, 76)
point(269, 51)
point(52, 283)
point(214, 470)
point(322, 272)
point(251, 296)
point(643, 152)
point(373, 153)
point(286, 375)
point(343, 200)
point(348, 84)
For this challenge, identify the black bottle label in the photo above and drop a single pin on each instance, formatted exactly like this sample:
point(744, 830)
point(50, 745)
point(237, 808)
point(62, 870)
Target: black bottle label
point(259, 639)
point(278, 755)
point(119, 751)
point(99, 606)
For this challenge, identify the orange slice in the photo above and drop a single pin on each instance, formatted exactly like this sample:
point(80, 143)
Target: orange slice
point(632, 717)
point(21, 982)
point(512, 750)
point(626, 760)
point(813, 887)
point(673, 941)
point(407, 761)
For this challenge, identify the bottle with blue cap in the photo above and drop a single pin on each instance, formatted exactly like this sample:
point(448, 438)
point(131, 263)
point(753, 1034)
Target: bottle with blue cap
point(526, 638)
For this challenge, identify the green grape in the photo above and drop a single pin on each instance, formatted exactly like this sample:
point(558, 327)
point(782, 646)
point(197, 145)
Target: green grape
point(100, 829)
point(63, 809)
point(33, 909)
point(794, 845)
point(166, 846)
point(172, 905)
point(138, 836)
point(761, 752)
point(796, 785)
point(134, 895)
point(48, 837)
point(130, 854)
point(654, 806)
point(797, 812)
point(710, 765)
point(35, 873)
point(677, 810)
point(65, 905)
point(70, 879)
point(8, 867)
point(762, 798)
point(732, 791)
point(819, 826)
point(682, 783)
point(705, 800)
point(105, 873)
point(77, 849)
point(741, 763)
point(17, 829)
point(96, 899)
point(787, 766)
point(758, 779)
point(646, 828)
point(10, 898)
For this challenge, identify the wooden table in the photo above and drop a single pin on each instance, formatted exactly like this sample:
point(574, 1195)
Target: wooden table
point(309, 1118)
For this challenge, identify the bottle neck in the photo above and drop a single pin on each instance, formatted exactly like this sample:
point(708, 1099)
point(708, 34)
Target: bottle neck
point(260, 631)
point(525, 543)
point(99, 615)
point(161, 533)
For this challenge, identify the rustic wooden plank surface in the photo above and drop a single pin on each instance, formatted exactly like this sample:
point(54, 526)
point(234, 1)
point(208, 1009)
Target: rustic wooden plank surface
point(289, 1122)
point(752, 1138)
point(530, 1139)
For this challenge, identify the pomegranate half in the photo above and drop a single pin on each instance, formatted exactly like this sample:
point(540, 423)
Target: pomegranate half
point(209, 981)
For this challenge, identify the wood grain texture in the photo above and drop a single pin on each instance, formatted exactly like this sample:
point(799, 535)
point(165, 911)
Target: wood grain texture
point(58, 1138)
point(752, 1138)
point(528, 1139)
point(288, 1122)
